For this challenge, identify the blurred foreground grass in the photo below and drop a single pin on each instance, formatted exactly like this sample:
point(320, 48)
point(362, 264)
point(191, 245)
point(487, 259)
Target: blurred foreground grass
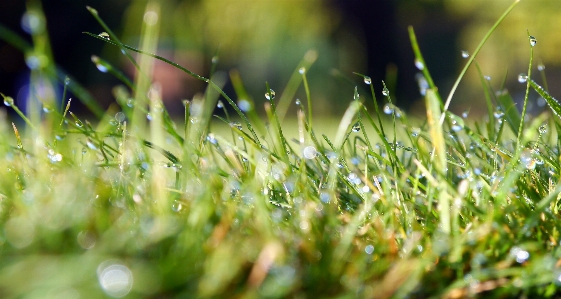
point(136, 205)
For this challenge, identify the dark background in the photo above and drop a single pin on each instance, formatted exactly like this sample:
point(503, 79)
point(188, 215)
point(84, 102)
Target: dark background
point(380, 25)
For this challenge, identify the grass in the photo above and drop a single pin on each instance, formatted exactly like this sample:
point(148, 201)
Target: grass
point(139, 206)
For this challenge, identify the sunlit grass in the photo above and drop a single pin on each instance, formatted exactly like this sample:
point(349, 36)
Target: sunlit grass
point(373, 205)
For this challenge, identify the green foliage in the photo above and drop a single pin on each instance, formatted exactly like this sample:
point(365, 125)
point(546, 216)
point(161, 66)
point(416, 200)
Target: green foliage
point(136, 205)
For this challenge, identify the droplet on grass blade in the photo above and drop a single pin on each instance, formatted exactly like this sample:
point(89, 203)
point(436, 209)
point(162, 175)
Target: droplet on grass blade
point(302, 70)
point(8, 101)
point(533, 40)
point(270, 95)
point(32, 23)
point(465, 54)
point(367, 80)
point(309, 152)
point(541, 67)
point(388, 109)
point(385, 92)
point(356, 127)
point(244, 105)
point(522, 78)
point(220, 104)
point(104, 35)
point(419, 65)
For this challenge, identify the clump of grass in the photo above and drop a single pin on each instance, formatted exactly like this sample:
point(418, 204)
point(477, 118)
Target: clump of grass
point(136, 205)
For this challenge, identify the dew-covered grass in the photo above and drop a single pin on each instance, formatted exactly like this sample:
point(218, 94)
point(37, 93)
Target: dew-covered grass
point(134, 204)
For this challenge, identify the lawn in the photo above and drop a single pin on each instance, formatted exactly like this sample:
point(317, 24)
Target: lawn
point(135, 204)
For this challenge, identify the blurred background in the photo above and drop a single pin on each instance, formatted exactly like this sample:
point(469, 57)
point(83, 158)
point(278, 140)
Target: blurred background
point(265, 41)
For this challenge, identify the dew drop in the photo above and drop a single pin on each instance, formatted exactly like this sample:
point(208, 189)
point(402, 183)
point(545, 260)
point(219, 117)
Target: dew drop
point(465, 54)
point(522, 78)
point(32, 23)
point(244, 105)
point(120, 117)
point(302, 70)
point(385, 92)
point(297, 102)
point(367, 80)
point(91, 145)
point(236, 124)
point(533, 40)
point(498, 113)
point(388, 109)
point(220, 104)
point(465, 114)
point(369, 249)
point(66, 81)
point(8, 101)
point(419, 64)
point(270, 95)
point(214, 59)
point(488, 78)
point(309, 152)
point(543, 129)
point(356, 127)
point(101, 67)
point(115, 279)
point(541, 67)
point(104, 35)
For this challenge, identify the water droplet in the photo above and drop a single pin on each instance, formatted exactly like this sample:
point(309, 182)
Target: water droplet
point(236, 124)
point(115, 279)
point(533, 40)
point(543, 129)
point(456, 127)
point(367, 80)
point(540, 102)
point(488, 78)
point(465, 114)
point(369, 249)
point(385, 92)
point(297, 102)
point(541, 67)
point(309, 152)
point(34, 62)
point(214, 59)
point(522, 78)
point(388, 109)
point(177, 206)
point(66, 81)
point(8, 101)
point(130, 103)
point(54, 156)
point(519, 254)
point(324, 197)
point(210, 138)
point(91, 145)
point(527, 159)
point(302, 70)
point(101, 67)
point(270, 95)
point(148, 116)
point(498, 113)
point(465, 54)
point(244, 105)
point(32, 22)
point(150, 18)
point(104, 35)
point(220, 104)
point(423, 84)
point(419, 64)
point(356, 127)
point(120, 117)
